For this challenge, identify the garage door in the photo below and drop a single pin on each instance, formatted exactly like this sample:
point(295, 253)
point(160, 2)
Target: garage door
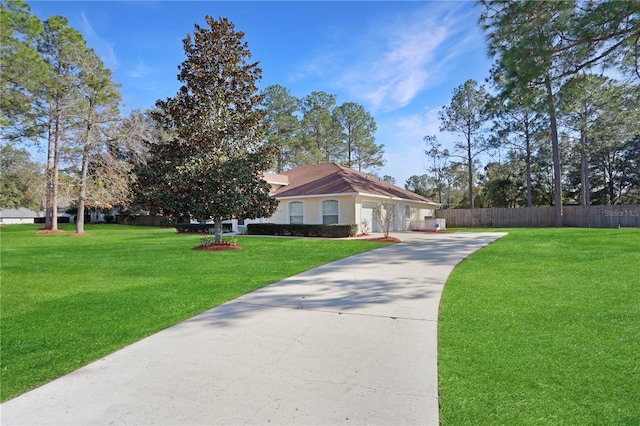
point(367, 214)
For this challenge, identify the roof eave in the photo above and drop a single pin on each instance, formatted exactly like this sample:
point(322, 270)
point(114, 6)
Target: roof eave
point(342, 194)
point(338, 194)
point(389, 197)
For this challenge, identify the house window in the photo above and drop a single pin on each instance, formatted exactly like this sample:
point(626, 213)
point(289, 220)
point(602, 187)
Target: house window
point(296, 215)
point(329, 212)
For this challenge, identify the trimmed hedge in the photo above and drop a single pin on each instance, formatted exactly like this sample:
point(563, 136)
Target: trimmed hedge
point(205, 228)
point(331, 231)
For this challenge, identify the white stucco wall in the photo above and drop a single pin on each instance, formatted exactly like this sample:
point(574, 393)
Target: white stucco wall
point(355, 208)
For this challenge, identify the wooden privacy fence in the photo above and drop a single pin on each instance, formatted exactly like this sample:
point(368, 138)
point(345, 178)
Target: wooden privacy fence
point(525, 217)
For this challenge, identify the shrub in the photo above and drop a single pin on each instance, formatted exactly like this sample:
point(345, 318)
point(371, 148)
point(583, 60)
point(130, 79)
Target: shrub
point(230, 241)
point(332, 231)
point(206, 228)
point(209, 240)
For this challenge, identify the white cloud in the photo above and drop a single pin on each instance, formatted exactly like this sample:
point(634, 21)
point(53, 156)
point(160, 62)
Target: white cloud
point(390, 60)
point(419, 125)
point(140, 70)
point(103, 48)
point(401, 59)
point(87, 28)
point(401, 71)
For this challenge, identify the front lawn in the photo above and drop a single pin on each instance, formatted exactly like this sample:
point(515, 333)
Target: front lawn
point(543, 327)
point(69, 300)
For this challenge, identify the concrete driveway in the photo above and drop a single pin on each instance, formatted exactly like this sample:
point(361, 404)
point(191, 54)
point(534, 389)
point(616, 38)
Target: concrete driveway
point(351, 342)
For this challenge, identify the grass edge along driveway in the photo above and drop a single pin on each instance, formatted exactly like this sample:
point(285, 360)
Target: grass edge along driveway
point(543, 327)
point(68, 300)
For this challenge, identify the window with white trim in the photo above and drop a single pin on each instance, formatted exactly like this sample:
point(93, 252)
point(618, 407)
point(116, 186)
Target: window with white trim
point(296, 212)
point(330, 210)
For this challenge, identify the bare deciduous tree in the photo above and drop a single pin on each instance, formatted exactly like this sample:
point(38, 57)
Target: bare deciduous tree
point(385, 215)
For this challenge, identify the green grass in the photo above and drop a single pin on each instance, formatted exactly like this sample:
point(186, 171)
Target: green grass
point(543, 328)
point(66, 300)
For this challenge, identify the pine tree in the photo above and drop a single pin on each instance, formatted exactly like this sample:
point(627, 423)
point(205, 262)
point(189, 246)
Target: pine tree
point(466, 116)
point(284, 126)
point(320, 136)
point(358, 134)
point(541, 44)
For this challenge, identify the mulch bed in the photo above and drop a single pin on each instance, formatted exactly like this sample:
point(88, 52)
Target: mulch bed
point(51, 231)
point(385, 240)
point(62, 231)
point(217, 247)
point(381, 239)
point(194, 233)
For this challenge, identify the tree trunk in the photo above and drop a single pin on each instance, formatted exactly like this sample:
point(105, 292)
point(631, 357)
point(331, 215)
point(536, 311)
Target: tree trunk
point(555, 146)
point(49, 177)
point(217, 226)
point(529, 192)
point(56, 177)
point(279, 161)
point(56, 164)
point(608, 179)
point(83, 185)
point(469, 159)
point(584, 171)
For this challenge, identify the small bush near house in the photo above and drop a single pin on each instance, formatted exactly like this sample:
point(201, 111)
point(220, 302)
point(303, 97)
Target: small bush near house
point(330, 231)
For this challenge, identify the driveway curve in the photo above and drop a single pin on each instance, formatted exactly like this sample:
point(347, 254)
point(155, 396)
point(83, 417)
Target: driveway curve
point(350, 342)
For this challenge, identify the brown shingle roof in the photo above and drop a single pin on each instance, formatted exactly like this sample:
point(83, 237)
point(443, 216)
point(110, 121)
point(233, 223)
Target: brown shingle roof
point(276, 178)
point(333, 178)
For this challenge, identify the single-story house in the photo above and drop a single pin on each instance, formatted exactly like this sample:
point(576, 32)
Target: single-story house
point(331, 193)
point(22, 215)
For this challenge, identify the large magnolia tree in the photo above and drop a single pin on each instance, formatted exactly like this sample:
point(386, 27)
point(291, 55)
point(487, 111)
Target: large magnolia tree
point(210, 165)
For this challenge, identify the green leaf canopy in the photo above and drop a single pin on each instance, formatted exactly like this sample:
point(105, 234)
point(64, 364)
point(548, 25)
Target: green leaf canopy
point(211, 161)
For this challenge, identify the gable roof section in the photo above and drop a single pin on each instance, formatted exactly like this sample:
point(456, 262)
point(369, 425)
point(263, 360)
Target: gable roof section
point(275, 178)
point(333, 178)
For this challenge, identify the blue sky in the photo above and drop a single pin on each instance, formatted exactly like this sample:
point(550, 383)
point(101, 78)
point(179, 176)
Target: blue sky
point(400, 60)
